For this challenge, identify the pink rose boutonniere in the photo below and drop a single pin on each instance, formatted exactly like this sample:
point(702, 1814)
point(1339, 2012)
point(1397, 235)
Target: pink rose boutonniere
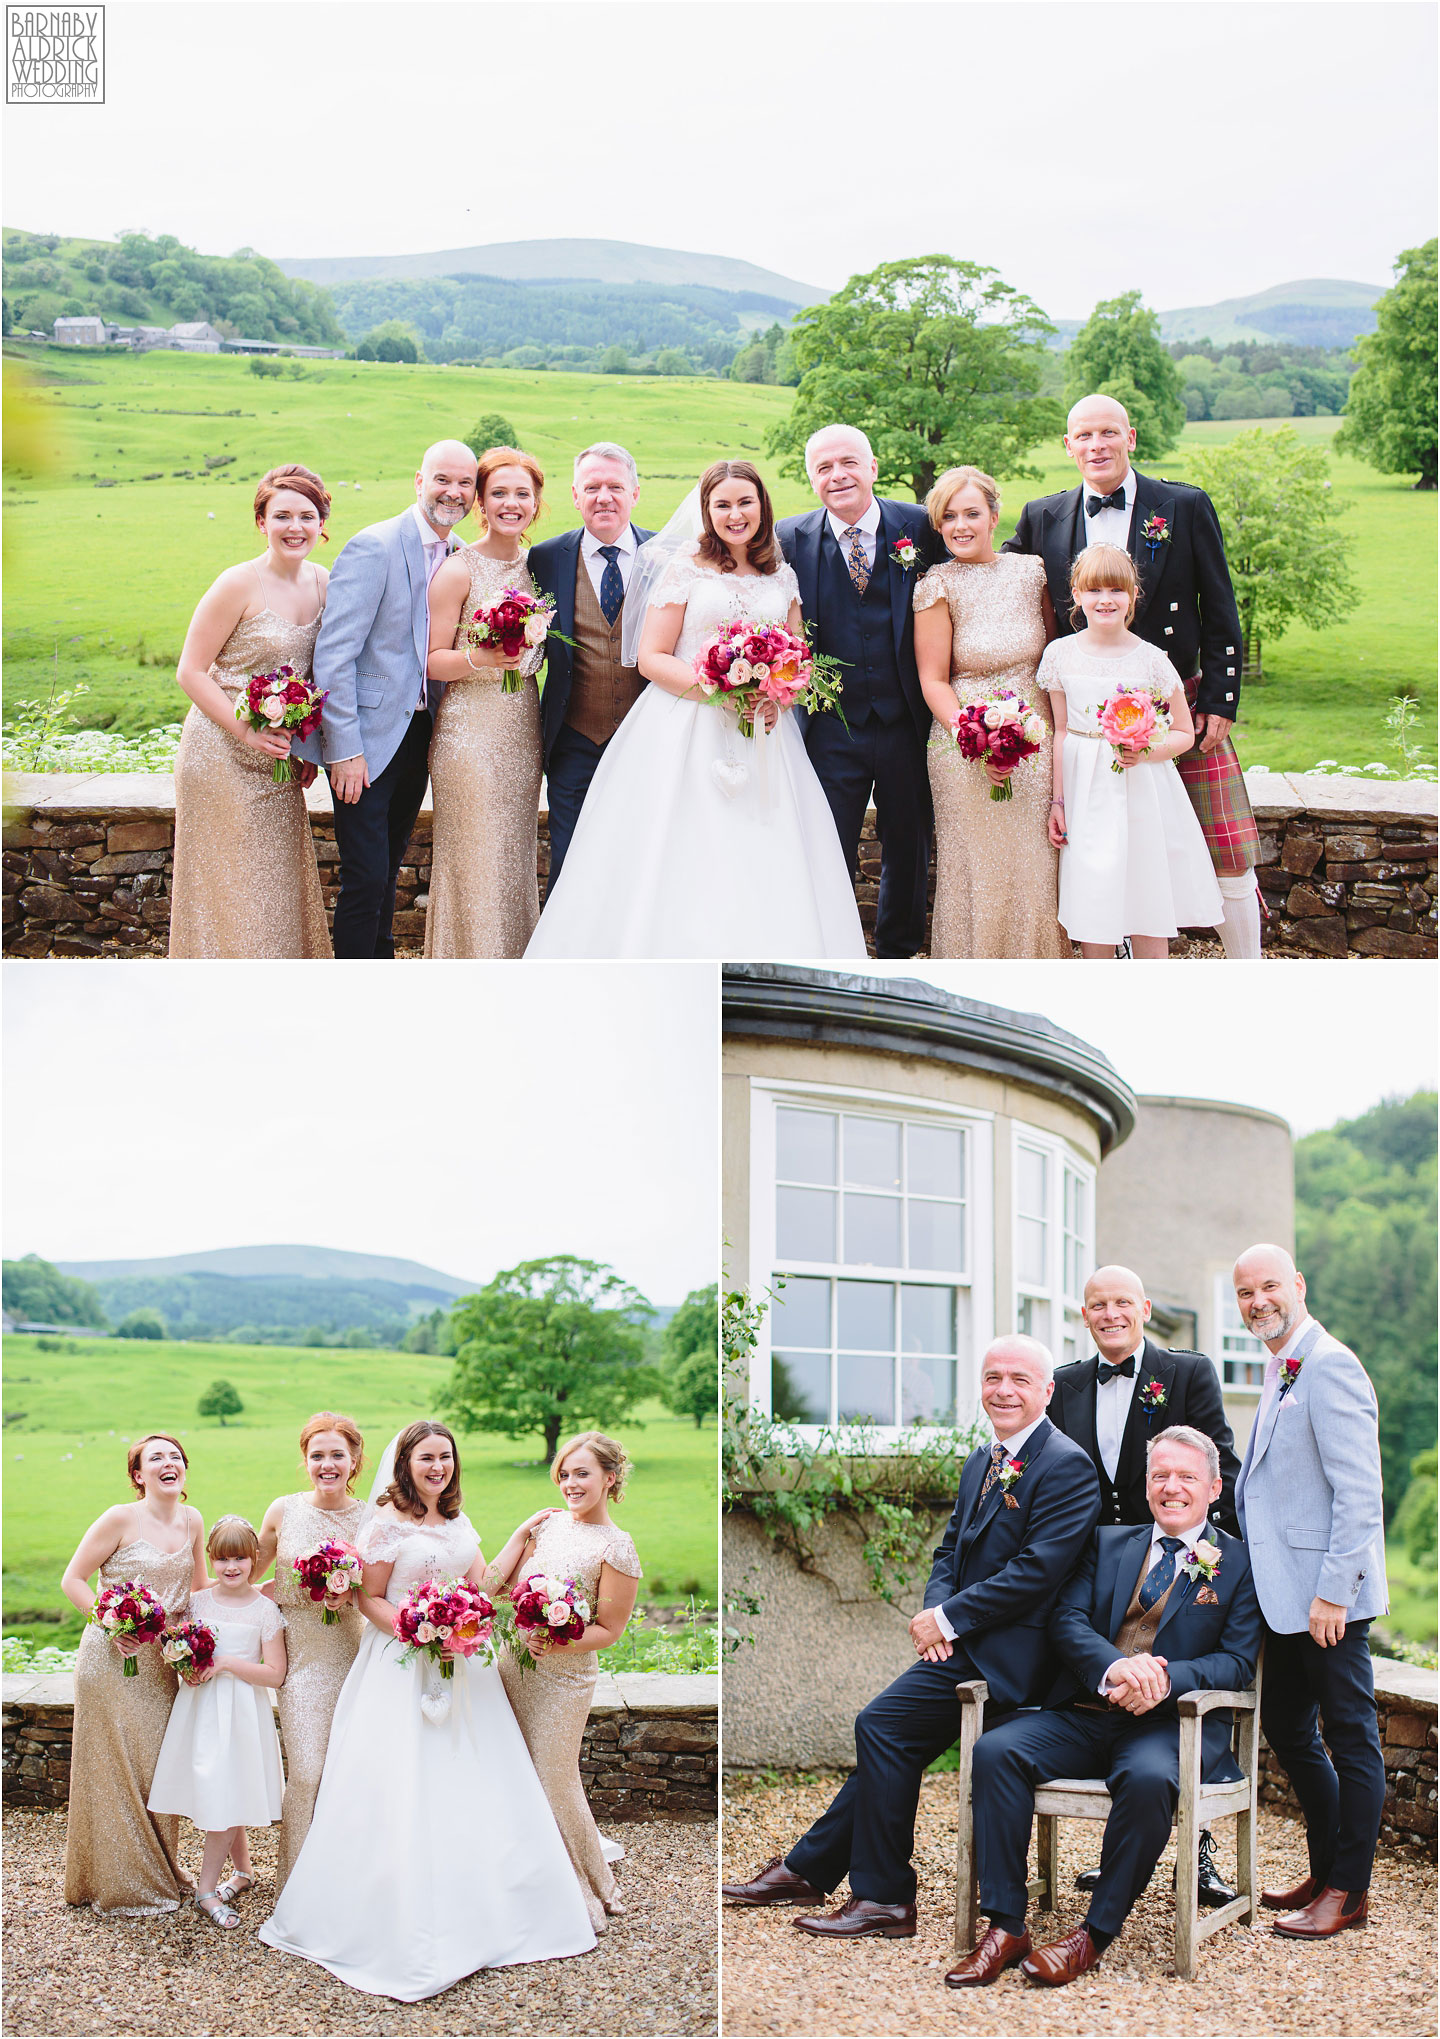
point(905, 554)
point(1289, 1373)
point(1156, 532)
point(1154, 1395)
point(1202, 1563)
point(1010, 1471)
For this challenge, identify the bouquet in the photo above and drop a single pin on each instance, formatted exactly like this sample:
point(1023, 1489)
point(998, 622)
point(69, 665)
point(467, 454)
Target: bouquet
point(1134, 715)
point(517, 623)
point(1002, 728)
point(130, 1609)
point(546, 1610)
point(279, 701)
point(441, 1611)
point(190, 1648)
point(334, 1568)
point(747, 663)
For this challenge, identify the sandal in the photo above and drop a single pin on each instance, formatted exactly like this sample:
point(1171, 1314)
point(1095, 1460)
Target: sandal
point(218, 1913)
point(234, 1886)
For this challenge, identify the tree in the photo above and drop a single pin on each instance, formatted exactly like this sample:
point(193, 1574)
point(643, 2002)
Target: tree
point(690, 1362)
point(221, 1400)
point(36, 1292)
point(1272, 494)
point(1118, 352)
point(1390, 412)
point(670, 361)
point(142, 1324)
point(488, 430)
point(1414, 1523)
point(391, 340)
point(548, 1345)
point(615, 361)
point(937, 361)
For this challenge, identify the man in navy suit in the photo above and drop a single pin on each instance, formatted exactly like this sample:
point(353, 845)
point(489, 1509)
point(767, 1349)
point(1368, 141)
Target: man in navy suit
point(855, 593)
point(1026, 1508)
point(1152, 1612)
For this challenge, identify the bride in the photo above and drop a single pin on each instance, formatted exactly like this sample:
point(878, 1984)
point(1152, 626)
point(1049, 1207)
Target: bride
point(695, 840)
point(433, 1850)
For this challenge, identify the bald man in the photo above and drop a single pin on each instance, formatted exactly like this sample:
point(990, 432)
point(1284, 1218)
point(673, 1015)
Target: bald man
point(1186, 608)
point(1310, 1502)
point(370, 656)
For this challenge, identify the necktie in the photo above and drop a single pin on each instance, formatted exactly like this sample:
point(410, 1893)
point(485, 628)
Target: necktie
point(1110, 1373)
point(612, 587)
point(1161, 1575)
point(1095, 504)
point(997, 1452)
point(855, 559)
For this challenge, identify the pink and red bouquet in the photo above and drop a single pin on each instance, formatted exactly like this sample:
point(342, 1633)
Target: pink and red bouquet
point(546, 1609)
point(1001, 729)
point(190, 1647)
point(279, 701)
point(1134, 716)
point(441, 1612)
point(747, 663)
point(130, 1609)
point(334, 1568)
point(516, 623)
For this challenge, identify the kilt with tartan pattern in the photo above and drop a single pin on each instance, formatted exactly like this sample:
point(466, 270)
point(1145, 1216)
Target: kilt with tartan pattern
point(1216, 786)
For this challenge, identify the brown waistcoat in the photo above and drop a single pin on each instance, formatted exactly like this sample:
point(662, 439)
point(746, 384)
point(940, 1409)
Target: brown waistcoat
point(1137, 1630)
point(602, 691)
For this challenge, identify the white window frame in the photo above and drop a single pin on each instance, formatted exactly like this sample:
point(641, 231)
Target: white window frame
point(1225, 1303)
point(1062, 1162)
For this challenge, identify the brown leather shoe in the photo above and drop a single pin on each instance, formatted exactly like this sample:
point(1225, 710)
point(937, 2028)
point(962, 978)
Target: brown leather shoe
point(774, 1885)
point(985, 1963)
point(1292, 1899)
point(1328, 1912)
point(860, 1918)
point(1062, 1961)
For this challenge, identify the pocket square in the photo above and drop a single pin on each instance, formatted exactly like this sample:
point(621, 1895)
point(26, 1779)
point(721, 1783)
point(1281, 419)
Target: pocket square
point(1207, 1597)
point(1011, 1502)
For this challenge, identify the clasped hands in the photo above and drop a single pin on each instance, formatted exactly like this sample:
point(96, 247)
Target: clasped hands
point(1137, 1683)
point(928, 1638)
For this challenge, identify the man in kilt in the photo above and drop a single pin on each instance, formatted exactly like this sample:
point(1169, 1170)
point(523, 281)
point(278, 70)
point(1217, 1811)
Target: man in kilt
point(1186, 608)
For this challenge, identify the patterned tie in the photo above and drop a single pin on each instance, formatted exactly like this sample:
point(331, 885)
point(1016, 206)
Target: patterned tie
point(855, 559)
point(612, 587)
point(997, 1452)
point(1161, 1576)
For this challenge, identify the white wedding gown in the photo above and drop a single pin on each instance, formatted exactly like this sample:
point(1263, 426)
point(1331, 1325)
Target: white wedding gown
point(433, 1850)
point(694, 840)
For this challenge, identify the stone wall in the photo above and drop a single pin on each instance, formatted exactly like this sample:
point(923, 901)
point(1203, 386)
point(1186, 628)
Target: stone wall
point(1347, 866)
point(1405, 1699)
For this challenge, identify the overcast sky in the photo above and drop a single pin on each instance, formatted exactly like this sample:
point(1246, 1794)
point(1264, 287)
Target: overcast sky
point(1196, 149)
point(510, 1114)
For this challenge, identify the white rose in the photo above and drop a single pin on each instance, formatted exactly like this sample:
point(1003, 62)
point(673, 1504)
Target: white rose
point(994, 717)
point(535, 627)
point(425, 1633)
point(1034, 729)
point(272, 710)
point(582, 1609)
point(760, 671)
point(741, 673)
point(558, 1613)
point(338, 1582)
point(1207, 1553)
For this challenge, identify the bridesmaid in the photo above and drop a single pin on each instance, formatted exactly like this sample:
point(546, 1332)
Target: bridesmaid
point(485, 755)
point(982, 622)
point(320, 1652)
point(552, 1702)
point(120, 1857)
point(246, 882)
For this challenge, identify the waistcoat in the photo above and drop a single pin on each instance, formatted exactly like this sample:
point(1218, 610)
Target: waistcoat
point(860, 629)
point(602, 691)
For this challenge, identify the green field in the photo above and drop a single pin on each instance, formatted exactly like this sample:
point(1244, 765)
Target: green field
point(101, 580)
point(67, 1416)
point(1412, 1596)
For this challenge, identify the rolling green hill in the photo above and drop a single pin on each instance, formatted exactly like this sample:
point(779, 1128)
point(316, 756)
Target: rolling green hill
point(1323, 313)
point(548, 261)
point(286, 1259)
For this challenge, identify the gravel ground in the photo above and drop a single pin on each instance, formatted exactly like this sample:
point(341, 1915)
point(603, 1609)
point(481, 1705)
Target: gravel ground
point(67, 1971)
point(1378, 1980)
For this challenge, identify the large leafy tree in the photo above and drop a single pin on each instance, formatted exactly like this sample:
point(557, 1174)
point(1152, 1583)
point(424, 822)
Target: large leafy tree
point(1390, 415)
point(1118, 352)
point(938, 362)
point(548, 1346)
point(37, 1293)
point(690, 1361)
point(1278, 515)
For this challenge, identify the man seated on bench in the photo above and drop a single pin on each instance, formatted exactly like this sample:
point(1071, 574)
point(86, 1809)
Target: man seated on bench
point(1151, 1613)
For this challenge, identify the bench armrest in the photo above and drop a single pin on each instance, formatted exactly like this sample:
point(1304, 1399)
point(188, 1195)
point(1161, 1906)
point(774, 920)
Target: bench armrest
point(1192, 1704)
point(974, 1692)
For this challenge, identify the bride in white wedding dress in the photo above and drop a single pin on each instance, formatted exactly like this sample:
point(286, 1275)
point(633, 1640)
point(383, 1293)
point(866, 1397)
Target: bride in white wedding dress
point(695, 840)
point(433, 1850)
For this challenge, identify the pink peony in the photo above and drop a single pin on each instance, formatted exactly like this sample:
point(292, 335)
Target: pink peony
point(1128, 719)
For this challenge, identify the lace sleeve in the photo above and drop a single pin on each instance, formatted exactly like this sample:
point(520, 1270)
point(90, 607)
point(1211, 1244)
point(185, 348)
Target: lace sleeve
point(272, 1621)
point(1049, 674)
point(929, 590)
point(1162, 672)
point(620, 1556)
point(380, 1541)
point(785, 582)
point(675, 582)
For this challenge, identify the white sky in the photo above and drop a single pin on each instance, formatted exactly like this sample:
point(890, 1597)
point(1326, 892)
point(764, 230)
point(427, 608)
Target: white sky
point(1237, 143)
point(510, 1114)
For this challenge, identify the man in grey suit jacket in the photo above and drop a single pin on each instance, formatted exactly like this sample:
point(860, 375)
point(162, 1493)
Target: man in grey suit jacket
point(371, 656)
point(1309, 1501)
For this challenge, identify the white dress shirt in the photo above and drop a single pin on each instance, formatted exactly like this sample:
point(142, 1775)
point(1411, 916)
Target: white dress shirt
point(437, 550)
point(1112, 1412)
point(595, 566)
point(1013, 1448)
point(1111, 527)
point(1201, 1533)
point(869, 528)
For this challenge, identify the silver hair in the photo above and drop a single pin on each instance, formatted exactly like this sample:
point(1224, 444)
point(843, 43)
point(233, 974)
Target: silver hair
point(1194, 1440)
point(606, 449)
point(1040, 1353)
point(836, 427)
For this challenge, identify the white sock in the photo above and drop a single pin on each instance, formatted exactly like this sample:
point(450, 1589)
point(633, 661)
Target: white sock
point(1240, 929)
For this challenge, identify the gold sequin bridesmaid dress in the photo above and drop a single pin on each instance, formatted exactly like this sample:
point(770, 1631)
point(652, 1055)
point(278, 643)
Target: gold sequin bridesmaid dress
point(246, 881)
point(319, 1656)
point(119, 1857)
point(552, 1702)
point(485, 769)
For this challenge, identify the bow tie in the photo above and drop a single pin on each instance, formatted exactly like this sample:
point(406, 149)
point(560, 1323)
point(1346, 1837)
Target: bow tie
point(1110, 1373)
point(1095, 504)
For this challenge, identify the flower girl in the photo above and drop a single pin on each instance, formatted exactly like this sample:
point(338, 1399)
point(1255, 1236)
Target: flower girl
point(1133, 855)
point(219, 1764)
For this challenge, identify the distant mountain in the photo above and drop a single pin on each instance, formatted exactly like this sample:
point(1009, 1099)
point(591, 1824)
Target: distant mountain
point(560, 261)
point(314, 1263)
point(1323, 312)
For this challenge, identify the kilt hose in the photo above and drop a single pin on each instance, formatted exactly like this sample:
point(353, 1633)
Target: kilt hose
point(1216, 786)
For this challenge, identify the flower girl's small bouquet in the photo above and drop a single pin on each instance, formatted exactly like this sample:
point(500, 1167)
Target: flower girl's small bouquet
point(747, 663)
point(1134, 715)
point(1002, 729)
point(279, 701)
point(190, 1647)
point(545, 1609)
point(516, 623)
point(130, 1609)
point(334, 1568)
point(440, 1612)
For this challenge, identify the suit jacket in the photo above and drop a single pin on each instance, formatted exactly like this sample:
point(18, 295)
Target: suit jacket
point(1187, 604)
point(998, 1568)
point(1208, 1646)
point(800, 542)
point(553, 567)
point(1192, 1395)
point(1309, 1492)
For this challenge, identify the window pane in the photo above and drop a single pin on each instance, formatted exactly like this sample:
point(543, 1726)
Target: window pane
point(800, 1387)
point(935, 1236)
point(1032, 1316)
point(800, 1314)
point(935, 1160)
point(805, 1224)
point(1030, 1182)
point(865, 1388)
point(872, 1230)
point(805, 1146)
point(927, 1319)
point(927, 1391)
point(872, 1152)
point(1030, 1245)
point(866, 1315)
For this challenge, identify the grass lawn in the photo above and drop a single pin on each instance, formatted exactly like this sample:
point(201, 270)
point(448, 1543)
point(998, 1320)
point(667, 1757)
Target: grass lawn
point(67, 1416)
point(1412, 1597)
point(102, 579)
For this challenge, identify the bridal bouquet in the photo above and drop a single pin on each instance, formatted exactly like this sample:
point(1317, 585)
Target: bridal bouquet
point(190, 1648)
point(130, 1609)
point(545, 1610)
point(517, 623)
point(334, 1568)
point(1134, 715)
point(1001, 728)
point(279, 701)
point(747, 663)
point(440, 1612)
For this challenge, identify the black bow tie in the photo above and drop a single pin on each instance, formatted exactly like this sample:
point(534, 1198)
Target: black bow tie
point(1109, 1373)
point(1095, 504)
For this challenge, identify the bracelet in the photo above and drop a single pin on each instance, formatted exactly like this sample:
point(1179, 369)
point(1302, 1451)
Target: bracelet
point(1057, 803)
point(471, 663)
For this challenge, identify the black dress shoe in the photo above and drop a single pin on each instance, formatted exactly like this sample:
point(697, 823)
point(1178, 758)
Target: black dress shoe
point(1210, 1889)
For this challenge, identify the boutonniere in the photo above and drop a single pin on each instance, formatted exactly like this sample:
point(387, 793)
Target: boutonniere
point(905, 554)
point(1154, 1395)
point(1289, 1374)
point(1010, 1471)
point(1156, 532)
point(1203, 1562)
